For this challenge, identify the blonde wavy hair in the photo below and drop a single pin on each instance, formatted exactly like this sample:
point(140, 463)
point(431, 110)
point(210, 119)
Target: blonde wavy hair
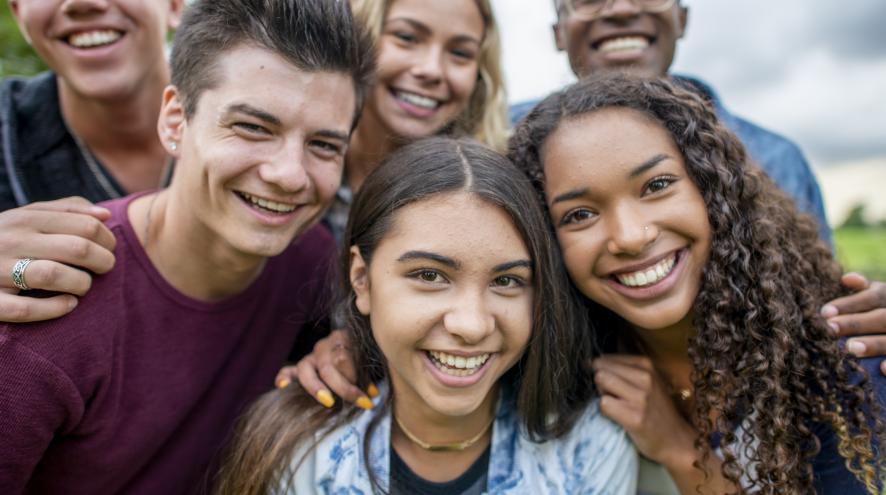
point(486, 116)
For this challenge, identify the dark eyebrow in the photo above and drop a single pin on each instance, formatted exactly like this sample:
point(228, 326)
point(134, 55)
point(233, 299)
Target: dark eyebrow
point(251, 110)
point(424, 255)
point(648, 164)
point(425, 30)
point(573, 194)
point(512, 264)
point(341, 136)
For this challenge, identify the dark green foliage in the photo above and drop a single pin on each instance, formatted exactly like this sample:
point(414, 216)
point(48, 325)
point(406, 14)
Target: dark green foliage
point(16, 56)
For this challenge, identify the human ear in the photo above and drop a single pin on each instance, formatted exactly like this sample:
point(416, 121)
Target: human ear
point(559, 36)
point(175, 14)
point(359, 276)
point(171, 122)
point(682, 20)
point(13, 6)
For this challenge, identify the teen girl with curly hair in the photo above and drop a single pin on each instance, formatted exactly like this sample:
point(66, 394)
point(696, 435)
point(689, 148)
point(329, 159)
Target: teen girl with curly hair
point(708, 285)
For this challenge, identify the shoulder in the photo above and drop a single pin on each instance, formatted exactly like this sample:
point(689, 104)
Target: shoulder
point(334, 459)
point(21, 92)
point(518, 110)
point(596, 456)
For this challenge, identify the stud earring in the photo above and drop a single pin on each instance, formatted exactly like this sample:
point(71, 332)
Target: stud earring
point(173, 146)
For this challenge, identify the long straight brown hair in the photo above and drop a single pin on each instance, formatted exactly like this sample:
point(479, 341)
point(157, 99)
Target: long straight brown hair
point(551, 388)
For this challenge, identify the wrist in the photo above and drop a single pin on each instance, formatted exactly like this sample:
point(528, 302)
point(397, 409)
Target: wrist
point(681, 457)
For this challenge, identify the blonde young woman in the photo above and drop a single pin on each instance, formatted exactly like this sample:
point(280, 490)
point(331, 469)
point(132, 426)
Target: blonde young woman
point(439, 72)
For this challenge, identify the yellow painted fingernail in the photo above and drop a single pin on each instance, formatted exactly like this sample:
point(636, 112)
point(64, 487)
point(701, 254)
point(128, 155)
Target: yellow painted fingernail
point(283, 383)
point(372, 391)
point(325, 398)
point(364, 403)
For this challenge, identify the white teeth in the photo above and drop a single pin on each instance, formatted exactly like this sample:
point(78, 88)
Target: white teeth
point(457, 365)
point(648, 276)
point(624, 44)
point(418, 100)
point(91, 39)
point(267, 204)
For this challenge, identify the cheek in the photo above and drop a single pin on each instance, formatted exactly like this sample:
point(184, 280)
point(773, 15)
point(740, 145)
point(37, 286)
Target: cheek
point(463, 81)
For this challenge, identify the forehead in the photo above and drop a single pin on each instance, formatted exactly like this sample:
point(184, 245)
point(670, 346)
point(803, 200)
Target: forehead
point(448, 18)
point(601, 142)
point(263, 79)
point(459, 225)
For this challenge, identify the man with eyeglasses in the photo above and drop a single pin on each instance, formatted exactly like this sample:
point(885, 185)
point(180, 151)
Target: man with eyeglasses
point(640, 36)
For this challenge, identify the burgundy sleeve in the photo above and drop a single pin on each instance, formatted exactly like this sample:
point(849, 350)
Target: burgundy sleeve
point(37, 399)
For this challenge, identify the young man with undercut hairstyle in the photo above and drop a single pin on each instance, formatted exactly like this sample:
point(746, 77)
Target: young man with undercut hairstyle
point(215, 276)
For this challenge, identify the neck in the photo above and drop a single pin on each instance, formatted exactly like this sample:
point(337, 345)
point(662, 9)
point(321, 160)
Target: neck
point(120, 132)
point(188, 255)
point(668, 348)
point(369, 146)
point(435, 428)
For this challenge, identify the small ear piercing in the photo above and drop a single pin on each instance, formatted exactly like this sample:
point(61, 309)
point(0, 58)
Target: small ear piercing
point(173, 146)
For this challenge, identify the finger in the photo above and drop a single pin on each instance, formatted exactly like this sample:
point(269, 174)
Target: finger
point(633, 360)
point(21, 309)
point(854, 281)
point(307, 376)
point(638, 377)
point(883, 367)
point(343, 387)
point(871, 346)
point(73, 204)
point(54, 277)
point(612, 384)
point(871, 322)
point(620, 411)
point(68, 249)
point(285, 376)
point(75, 224)
point(871, 297)
point(334, 350)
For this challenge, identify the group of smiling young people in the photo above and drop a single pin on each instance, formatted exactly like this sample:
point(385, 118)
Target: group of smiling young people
point(626, 280)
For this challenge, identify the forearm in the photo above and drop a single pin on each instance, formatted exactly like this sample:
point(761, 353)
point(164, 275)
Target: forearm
point(689, 478)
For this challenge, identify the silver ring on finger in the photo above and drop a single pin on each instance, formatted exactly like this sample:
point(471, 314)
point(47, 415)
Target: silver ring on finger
point(18, 273)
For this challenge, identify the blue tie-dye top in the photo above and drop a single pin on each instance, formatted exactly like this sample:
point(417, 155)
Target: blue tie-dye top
point(596, 457)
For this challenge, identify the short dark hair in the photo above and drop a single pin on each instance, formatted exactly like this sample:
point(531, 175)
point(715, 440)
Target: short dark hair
point(314, 35)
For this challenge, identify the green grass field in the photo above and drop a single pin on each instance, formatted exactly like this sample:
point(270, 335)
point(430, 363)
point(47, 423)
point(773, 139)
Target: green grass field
point(862, 250)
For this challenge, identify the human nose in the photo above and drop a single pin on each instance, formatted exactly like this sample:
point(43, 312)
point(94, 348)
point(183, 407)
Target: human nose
point(79, 7)
point(287, 169)
point(428, 64)
point(630, 232)
point(620, 9)
point(469, 317)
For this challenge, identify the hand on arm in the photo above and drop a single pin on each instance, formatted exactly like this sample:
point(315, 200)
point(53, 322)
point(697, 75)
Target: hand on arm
point(329, 366)
point(635, 396)
point(862, 316)
point(66, 240)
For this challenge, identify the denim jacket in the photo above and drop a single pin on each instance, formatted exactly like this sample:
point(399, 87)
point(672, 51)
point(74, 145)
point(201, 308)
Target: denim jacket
point(780, 158)
point(595, 457)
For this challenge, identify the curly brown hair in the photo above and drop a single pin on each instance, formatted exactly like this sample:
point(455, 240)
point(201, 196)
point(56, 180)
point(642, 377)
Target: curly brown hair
point(763, 360)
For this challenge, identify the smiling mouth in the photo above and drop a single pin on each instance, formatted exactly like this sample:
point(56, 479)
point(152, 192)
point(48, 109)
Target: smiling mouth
point(93, 39)
point(416, 99)
point(457, 365)
point(651, 275)
point(623, 44)
point(266, 204)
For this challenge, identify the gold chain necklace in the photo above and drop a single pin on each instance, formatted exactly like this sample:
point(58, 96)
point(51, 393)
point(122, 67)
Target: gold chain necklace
point(445, 447)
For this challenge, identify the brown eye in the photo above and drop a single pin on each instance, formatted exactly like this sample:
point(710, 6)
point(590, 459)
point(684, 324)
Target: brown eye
point(577, 216)
point(659, 184)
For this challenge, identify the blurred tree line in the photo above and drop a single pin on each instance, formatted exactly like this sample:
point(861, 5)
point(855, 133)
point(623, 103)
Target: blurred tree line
point(16, 56)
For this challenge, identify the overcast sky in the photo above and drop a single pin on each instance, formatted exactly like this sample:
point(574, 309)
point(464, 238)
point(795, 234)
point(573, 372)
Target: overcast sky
point(812, 70)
